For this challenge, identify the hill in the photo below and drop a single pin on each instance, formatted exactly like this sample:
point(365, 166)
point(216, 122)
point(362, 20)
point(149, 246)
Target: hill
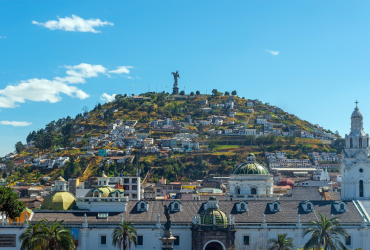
point(208, 134)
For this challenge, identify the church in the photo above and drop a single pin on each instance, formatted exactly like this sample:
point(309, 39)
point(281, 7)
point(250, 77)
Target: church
point(251, 212)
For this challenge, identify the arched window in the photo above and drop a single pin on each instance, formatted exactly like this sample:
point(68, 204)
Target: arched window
point(116, 194)
point(242, 206)
point(350, 143)
point(342, 206)
point(238, 190)
point(176, 206)
point(309, 206)
point(253, 191)
point(275, 206)
point(99, 182)
point(105, 182)
point(367, 143)
point(361, 187)
point(96, 194)
point(268, 190)
point(142, 205)
point(360, 142)
point(61, 187)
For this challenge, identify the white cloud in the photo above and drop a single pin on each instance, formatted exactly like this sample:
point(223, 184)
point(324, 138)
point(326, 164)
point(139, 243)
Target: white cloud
point(121, 69)
point(107, 98)
point(74, 23)
point(3, 37)
point(15, 124)
point(44, 90)
point(274, 53)
point(78, 73)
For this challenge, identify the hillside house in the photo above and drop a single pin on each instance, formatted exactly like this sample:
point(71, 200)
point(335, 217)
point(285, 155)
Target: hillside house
point(250, 131)
point(228, 131)
point(148, 141)
point(205, 122)
point(250, 110)
point(250, 103)
point(260, 120)
point(267, 126)
point(207, 109)
point(232, 114)
point(190, 144)
point(118, 122)
point(218, 122)
point(112, 126)
point(203, 102)
point(230, 105)
point(307, 134)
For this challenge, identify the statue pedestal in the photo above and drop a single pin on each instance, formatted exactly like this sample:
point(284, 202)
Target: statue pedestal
point(175, 91)
point(167, 240)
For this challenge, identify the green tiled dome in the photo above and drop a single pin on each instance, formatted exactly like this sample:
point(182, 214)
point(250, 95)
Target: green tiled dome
point(251, 168)
point(58, 200)
point(104, 191)
point(206, 217)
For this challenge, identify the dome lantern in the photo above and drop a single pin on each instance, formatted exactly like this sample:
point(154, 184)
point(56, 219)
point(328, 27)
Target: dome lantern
point(103, 180)
point(60, 184)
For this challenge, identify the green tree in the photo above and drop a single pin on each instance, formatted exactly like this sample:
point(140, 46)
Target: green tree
point(9, 165)
point(227, 93)
point(19, 147)
point(31, 238)
point(197, 93)
point(214, 92)
point(192, 93)
point(56, 237)
point(84, 142)
point(124, 236)
point(234, 92)
point(281, 243)
point(182, 92)
point(325, 233)
point(9, 203)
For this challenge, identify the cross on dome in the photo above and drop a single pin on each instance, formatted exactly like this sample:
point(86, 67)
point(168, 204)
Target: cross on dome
point(356, 103)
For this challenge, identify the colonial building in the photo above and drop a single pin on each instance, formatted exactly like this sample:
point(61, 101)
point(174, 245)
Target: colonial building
point(250, 215)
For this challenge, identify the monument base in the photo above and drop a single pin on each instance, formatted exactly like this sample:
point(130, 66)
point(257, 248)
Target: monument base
point(175, 91)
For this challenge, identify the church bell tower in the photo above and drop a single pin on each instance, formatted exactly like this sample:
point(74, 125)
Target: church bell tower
point(355, 162)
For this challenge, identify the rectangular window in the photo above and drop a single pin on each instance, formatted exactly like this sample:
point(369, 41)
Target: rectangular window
point(140, 240)
point(103, 240)
point(7, 240)
point(126, 180)
point(134, 187)
point(177, 241)
point(126, 187)
point(348, 240)
point(134, 180)
point(246, 240)
point(134, 196)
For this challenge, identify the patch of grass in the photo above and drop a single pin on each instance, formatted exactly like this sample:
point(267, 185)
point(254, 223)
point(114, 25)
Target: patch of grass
point(226, 147)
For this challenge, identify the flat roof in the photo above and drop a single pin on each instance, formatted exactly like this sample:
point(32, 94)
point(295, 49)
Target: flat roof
point(294, 169)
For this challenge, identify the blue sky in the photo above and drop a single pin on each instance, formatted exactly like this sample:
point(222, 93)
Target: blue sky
point(310, 58)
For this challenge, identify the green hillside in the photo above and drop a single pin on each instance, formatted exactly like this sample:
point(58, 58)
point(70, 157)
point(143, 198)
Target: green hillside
point(218, 153)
